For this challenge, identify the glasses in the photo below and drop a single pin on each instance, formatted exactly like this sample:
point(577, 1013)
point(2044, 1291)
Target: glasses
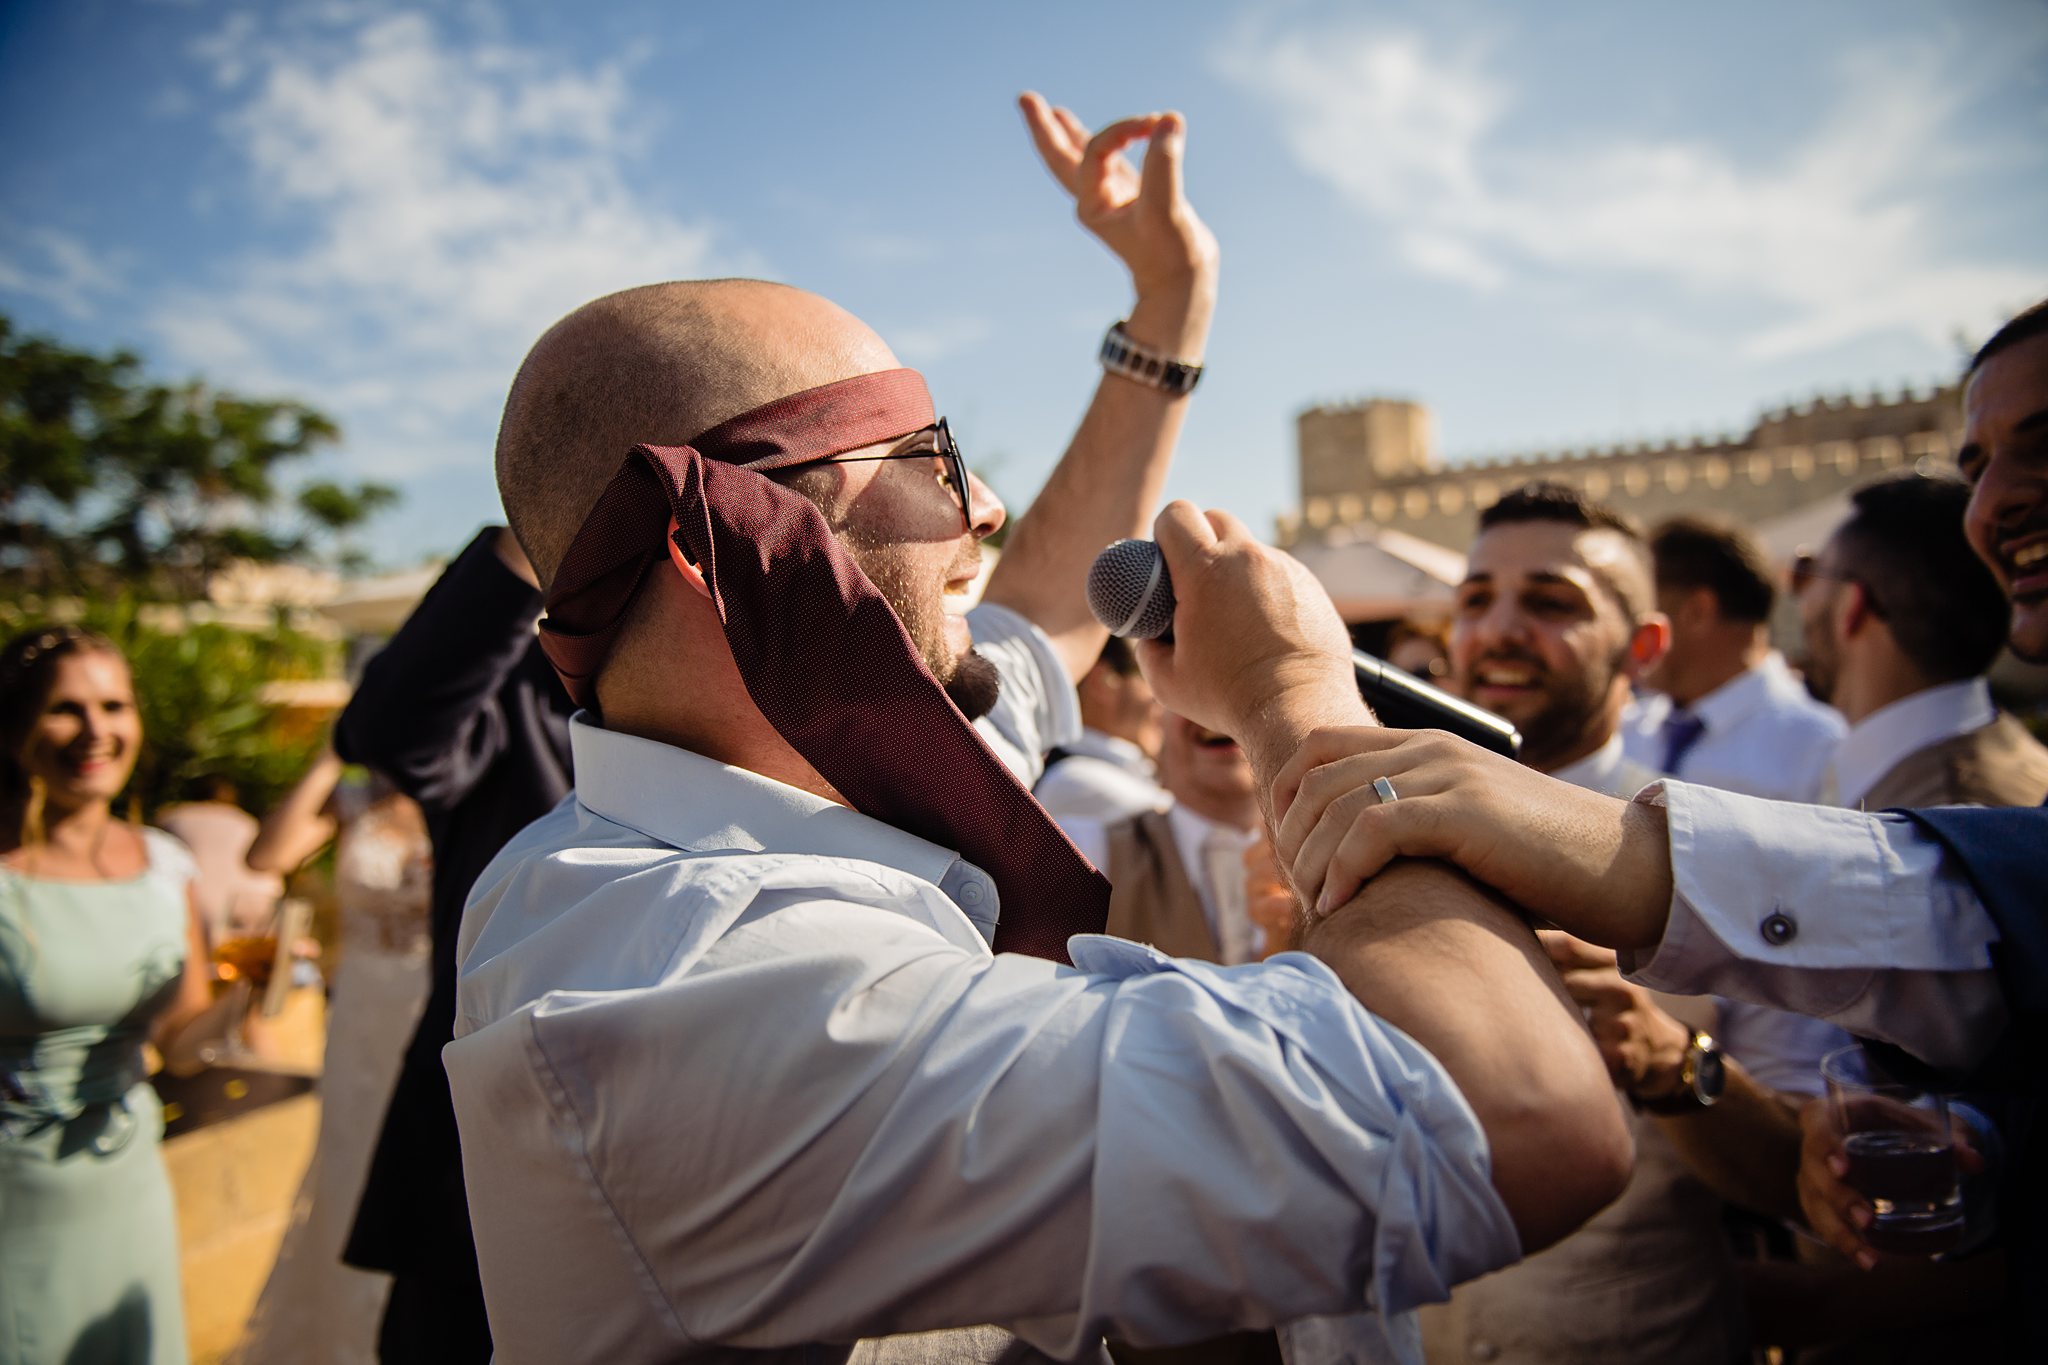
point(1806, 567)
point(933, 442)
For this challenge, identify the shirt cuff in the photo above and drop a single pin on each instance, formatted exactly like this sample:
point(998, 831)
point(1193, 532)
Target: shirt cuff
point(1784, 885)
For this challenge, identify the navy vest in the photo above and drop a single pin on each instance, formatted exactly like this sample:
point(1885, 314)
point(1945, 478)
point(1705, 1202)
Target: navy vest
point(2004, 854)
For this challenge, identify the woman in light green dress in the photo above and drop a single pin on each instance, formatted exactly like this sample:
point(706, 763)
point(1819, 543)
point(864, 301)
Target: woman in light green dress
point(98, 955)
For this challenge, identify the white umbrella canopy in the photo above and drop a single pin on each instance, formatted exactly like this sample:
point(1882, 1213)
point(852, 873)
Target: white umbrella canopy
point(1374, 573)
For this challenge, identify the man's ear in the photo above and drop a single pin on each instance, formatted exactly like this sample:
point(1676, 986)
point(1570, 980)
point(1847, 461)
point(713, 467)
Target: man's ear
point(691, 574)
point(1853, 610)
point(1647, 643)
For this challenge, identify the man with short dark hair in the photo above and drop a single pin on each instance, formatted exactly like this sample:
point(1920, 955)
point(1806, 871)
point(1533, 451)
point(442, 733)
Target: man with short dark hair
point(1554, 620)
point(1728, 712)
point(1902, 620)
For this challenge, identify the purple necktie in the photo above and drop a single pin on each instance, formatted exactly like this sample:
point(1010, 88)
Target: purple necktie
point(1682, 729)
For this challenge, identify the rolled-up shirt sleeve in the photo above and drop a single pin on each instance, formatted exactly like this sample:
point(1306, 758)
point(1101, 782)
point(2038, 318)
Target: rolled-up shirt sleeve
point(897, 1134)
point(1858, 919)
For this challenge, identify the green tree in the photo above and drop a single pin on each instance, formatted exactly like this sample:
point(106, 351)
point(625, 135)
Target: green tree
point(113, 483)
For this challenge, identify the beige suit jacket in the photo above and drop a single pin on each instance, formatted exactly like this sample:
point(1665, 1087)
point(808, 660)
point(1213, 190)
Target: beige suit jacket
point(1997, 765)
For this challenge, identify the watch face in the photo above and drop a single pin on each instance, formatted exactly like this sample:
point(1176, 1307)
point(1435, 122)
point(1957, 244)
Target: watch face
point(1709, 1075)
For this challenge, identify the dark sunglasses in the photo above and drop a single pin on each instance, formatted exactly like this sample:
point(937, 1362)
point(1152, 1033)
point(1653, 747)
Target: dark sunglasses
point(1806, 567)
point(933, 442)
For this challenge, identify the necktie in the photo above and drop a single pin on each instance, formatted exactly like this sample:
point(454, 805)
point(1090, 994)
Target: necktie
point(874, 723)
point(1682, 729)
point(1223, 866)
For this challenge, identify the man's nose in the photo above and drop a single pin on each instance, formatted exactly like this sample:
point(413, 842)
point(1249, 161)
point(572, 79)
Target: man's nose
point(985, 511)
point(2005, 495)
point(1501, 623)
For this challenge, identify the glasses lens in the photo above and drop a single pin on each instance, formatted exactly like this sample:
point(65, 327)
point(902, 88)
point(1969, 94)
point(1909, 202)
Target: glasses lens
point(956, 470)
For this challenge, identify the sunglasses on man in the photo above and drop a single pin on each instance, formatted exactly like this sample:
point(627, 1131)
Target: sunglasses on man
point(933, 442)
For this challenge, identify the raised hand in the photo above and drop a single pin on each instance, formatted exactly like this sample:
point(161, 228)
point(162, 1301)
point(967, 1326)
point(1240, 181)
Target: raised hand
point(1142, 216)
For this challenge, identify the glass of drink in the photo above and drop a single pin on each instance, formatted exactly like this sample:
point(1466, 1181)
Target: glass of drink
point(1901, 1155)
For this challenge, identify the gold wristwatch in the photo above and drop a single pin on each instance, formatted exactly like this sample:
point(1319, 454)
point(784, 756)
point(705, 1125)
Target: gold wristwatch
point(1701, 1076)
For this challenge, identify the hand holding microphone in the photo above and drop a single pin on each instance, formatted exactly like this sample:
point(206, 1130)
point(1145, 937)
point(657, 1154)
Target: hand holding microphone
point(1259, 652)
point(1131, 590)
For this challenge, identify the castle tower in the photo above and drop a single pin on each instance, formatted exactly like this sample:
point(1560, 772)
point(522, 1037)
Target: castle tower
point(1354, 447)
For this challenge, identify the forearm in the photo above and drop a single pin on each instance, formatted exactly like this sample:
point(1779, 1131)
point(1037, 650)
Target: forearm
point(1745, 1148)
point(1457, 969)
point(1107, 484)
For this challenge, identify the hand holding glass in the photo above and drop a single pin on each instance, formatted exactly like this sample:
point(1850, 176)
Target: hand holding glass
point(1901, 1155)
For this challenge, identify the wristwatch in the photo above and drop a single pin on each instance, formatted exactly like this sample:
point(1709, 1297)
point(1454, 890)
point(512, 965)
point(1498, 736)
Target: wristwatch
point(1700, 1078)
point(1135, 361)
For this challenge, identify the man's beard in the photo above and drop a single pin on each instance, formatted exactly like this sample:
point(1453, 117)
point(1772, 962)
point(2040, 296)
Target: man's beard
point(1571, 712)
point(969, 679)
point(975, 685)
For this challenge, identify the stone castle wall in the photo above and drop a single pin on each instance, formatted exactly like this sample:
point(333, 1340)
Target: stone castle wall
point(1370, 462)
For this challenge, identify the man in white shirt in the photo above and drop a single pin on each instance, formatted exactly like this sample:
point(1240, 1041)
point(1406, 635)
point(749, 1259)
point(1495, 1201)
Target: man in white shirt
point(1177, 875)
point(736, 1068)
point(1726, 711)
point(1107, 774)
point(1902, 621)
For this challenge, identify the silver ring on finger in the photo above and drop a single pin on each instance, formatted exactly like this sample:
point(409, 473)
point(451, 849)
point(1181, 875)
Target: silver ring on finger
point(1385, 790)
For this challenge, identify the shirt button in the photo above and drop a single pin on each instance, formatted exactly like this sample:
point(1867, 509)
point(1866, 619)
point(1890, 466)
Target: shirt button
point(1779, 929)
point(970, 894)
point(1484, 1350)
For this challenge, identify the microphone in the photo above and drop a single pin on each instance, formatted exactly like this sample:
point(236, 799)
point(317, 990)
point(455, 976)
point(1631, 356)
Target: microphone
point(1130, 591)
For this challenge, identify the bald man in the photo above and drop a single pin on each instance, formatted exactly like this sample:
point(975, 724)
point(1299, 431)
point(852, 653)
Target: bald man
point(737, 1069)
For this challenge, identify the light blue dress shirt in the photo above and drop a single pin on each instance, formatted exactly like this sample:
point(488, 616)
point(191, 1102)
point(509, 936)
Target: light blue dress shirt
point(736, 1067)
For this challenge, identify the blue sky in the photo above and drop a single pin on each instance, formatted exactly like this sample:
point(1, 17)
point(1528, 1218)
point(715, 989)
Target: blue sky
point(1553, 223)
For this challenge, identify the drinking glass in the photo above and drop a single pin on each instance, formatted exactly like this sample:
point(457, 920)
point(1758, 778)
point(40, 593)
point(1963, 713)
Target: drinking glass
point(1901, 1155)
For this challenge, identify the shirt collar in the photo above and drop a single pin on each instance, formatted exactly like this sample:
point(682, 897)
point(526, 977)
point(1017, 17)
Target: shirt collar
point(1735, 700)
point(1877, 743)
point(1598, 770)
point(700, 805)
point(1109, 748)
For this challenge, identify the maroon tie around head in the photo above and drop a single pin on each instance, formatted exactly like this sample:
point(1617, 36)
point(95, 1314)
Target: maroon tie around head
point(821, 651)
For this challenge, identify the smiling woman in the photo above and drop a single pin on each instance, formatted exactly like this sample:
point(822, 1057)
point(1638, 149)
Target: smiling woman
point(99, 953)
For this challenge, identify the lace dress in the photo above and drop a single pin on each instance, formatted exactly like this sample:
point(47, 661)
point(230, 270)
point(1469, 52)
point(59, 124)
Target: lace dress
point(314, 1309)
point(88, 1236)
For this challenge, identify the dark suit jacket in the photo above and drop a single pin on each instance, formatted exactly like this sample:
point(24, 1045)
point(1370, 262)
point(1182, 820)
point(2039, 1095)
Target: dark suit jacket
point(462, 711)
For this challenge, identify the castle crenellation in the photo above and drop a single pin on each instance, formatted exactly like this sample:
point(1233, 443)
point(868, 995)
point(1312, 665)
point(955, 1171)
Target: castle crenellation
point(1370, 460)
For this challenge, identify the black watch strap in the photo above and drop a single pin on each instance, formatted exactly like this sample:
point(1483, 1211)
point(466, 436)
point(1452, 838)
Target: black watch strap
point(1141, 364)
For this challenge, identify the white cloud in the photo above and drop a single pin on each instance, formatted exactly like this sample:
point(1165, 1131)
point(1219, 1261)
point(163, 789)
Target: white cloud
point(929, 342)
point(439, 205)
point(55, 267)
point(1838, 237)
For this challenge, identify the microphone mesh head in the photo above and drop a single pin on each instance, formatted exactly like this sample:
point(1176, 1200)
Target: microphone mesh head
point(1129, 592)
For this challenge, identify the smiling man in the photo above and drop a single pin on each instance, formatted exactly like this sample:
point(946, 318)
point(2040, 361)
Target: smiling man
point(1552, 623)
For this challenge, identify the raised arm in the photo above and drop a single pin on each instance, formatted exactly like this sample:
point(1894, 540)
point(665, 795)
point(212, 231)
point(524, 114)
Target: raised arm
point(426, 713)
point(1260, 653)
point(1109, 481)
